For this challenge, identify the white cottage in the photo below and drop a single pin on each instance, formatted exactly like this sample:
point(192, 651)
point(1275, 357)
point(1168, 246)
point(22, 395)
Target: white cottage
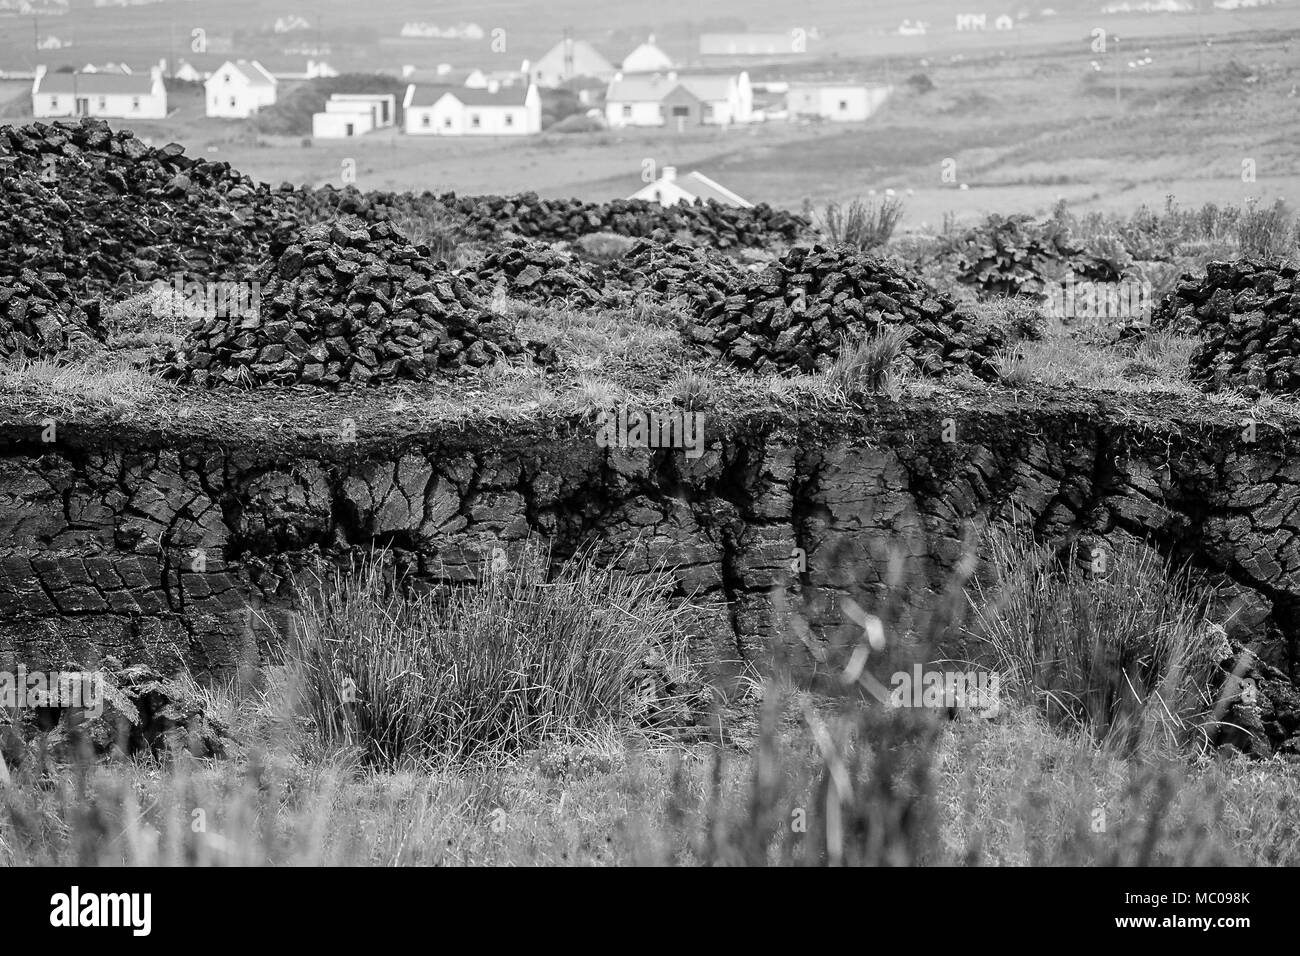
point(463, 111)
point(238, 89)
point(672, 99)
point(837, 102)
point(102, 94)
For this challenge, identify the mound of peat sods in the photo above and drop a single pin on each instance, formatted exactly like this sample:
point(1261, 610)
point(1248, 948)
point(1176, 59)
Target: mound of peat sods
point(40, 318)
point(723, 227)
point(797, 312)
point(347, 303)
point(662, 271)
point(1247, 313)
point(557, 220)
point(536, 272)
point(100, 208)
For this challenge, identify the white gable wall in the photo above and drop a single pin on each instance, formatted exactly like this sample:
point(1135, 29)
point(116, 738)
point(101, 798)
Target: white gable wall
point(229, 94)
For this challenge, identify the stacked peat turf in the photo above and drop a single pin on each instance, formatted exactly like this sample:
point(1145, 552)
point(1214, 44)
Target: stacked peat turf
point(536, 272)
point(347, 303)
point(559, 220)
point(1247, 314)
point(106, 212)
point(797, 313)
point(662, 271)
point(39, 318)
point(708, 223)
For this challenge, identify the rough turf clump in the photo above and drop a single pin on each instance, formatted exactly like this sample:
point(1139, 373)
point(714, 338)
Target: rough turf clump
point(38, 318)
point(106, 212)
point(1248, 314)
point(662, 271)
point(537, 273)
point(347, 303)
point(797, 313)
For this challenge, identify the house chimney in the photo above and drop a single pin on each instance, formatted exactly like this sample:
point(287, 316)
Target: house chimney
point(494, 86)
point(670, 174)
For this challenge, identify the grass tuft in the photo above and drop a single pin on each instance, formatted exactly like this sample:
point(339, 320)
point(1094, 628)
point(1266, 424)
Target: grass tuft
point(490, 669)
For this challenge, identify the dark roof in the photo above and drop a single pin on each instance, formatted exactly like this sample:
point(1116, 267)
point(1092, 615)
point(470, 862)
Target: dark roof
point(92, 84)
point(505, 96)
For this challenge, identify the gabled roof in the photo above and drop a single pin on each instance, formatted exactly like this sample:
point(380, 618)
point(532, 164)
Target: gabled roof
point(454, 77)
point(96, 84)
point(647, 58)
point(641, 88)
point(253, 72)
point(709, 86)
point(467, 95)
point(702, 188)
point(587, 60)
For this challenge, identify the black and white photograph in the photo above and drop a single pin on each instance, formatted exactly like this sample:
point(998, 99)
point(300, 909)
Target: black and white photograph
point(610, 434)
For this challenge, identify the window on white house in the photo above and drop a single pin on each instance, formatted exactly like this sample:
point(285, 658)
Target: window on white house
point(135, 103)
point(446, 122)
point(54, 102)
point(226, 78)
point(475, 120)
point(101, 102)
point(510, 119)
point(844, 105)
point(233, 102)
point(627, 110)
point(681, 111)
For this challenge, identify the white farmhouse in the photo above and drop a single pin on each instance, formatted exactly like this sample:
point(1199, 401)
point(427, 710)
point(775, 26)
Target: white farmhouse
point(668, 190)
point(838, 102)
point(673, 99)
point(118, 95)
point(238, 89)
point(464, 111)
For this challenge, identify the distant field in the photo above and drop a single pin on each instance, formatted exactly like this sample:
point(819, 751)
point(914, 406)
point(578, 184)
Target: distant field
point(1026, 127)
point(367, 35)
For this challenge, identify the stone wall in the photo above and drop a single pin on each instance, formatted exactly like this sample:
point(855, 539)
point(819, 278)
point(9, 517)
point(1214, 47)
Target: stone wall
point(149, 546)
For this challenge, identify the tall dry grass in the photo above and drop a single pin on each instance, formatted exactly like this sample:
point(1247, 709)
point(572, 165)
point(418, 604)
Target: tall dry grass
point(1116, 647)
point(488, 669)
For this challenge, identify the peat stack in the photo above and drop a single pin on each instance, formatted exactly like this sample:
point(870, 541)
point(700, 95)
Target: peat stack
point(1247, 314)
point(347, 303)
